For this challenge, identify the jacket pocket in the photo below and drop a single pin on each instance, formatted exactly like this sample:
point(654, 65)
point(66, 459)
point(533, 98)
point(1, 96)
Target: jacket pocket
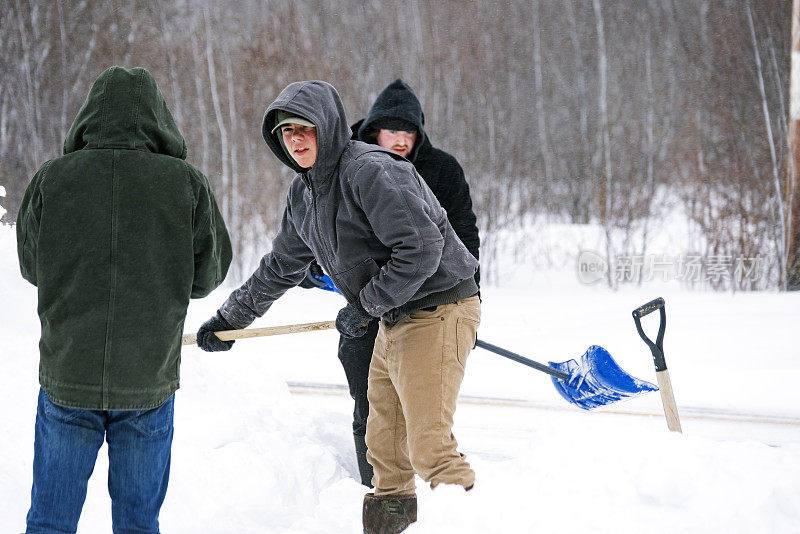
point(421, 315)
point(355, 278)
point(65, 414)
point(466, 336)
point(156, 421)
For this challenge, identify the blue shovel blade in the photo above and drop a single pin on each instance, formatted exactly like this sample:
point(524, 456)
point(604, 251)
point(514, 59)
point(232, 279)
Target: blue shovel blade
point(597, 381)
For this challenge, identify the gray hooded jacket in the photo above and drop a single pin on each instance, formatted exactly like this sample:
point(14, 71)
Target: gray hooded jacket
point(364, 214)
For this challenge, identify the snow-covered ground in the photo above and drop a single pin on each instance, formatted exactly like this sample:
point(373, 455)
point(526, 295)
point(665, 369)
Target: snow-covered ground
point(254, 454)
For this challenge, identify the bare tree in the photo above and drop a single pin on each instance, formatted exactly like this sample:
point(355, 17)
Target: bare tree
point(559, 112)
point(779, 204)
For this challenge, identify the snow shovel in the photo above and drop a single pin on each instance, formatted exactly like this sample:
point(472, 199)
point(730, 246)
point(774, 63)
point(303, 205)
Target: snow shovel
point(657, 349)
point(594, 382)
point(597, 381)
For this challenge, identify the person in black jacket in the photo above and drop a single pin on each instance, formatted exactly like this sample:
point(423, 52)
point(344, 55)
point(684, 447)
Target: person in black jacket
point(396, 122)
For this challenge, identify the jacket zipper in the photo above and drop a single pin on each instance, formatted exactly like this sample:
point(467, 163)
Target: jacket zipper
point(323, 246)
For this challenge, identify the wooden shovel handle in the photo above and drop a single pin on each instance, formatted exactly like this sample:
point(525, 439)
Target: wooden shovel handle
point(668, 401)
point(230, 335)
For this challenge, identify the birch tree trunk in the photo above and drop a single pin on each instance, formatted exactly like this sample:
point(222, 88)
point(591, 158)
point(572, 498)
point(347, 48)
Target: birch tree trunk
point(586, 172)
point(651, 149)
point(778, 204)
point(177, 97)
point(223, 130)
point(239, 212)
point(539, 85)
point(201, 97)
point(31, 107)
point(793, 189)
point(602, 102)
point(64, 69)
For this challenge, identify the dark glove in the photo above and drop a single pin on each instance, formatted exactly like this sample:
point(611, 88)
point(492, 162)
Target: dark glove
point(313, 275)
point(353, 321)
point(208, 340)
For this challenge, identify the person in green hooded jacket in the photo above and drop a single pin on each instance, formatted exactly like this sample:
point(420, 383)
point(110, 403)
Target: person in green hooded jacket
point(117, 234)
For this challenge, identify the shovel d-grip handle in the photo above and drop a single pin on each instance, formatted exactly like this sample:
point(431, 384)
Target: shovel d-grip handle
point(657, 347)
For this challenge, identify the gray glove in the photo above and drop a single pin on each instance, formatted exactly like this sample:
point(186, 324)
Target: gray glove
point(208, 340)
point(353, 321)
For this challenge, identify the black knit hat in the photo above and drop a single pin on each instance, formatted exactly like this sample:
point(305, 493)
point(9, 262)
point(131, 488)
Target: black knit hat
point(397, 102)
point(393, 123)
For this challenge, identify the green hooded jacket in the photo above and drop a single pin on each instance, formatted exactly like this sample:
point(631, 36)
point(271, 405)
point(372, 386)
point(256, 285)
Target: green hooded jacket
point(118, 234)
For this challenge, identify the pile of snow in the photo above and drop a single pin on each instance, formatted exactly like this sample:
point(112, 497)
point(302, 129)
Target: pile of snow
point(251, 456)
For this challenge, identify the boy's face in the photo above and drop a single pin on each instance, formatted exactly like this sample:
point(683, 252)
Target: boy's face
point(301, 142)
point(398, 141)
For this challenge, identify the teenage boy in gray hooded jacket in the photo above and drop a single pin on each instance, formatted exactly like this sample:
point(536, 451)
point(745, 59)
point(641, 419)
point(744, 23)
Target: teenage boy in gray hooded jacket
point(367, 217)
point(396, 121)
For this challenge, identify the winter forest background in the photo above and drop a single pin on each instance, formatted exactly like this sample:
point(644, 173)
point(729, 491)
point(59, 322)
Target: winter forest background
point(614, 116)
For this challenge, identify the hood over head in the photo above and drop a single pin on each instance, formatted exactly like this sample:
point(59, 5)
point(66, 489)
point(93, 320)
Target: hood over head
point(320, 103)
point(125, 109)
point(396, 101)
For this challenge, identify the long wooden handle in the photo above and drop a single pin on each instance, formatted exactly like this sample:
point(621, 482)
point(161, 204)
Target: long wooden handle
point(229, 335)
point(668, 400)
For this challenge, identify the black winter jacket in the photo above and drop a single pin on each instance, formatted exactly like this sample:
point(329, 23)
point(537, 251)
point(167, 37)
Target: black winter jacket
point(440, 170)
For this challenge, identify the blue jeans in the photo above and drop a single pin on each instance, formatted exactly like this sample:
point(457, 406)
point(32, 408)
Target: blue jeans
point(65, 450)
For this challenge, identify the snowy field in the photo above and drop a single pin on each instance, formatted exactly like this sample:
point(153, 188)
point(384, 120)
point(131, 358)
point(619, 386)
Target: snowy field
point(256, 451)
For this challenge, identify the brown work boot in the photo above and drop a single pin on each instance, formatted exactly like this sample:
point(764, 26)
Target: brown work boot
point(388, 514)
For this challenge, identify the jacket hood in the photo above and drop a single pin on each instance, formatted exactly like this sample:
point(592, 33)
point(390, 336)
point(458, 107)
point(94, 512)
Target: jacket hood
point(125, 109)
point(396, 101)
point(320, 103)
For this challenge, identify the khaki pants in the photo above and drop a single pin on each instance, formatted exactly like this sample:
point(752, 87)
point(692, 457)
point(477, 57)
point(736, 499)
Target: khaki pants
point(416, 372)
